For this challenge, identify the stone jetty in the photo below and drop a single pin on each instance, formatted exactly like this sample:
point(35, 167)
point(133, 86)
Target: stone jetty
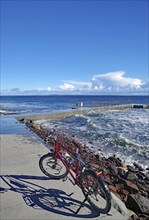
point(61, 115)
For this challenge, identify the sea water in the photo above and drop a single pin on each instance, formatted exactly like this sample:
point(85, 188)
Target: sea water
point(124, 133)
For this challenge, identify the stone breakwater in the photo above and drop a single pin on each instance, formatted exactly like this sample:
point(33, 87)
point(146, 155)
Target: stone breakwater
point(129, 183)
point(61, 115)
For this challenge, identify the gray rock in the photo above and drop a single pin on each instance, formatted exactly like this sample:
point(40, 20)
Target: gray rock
point(131, 176)
point(138, 203)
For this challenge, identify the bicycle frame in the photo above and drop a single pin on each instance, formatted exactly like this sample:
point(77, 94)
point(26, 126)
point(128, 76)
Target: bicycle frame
point(82, 175)
point(57, 148)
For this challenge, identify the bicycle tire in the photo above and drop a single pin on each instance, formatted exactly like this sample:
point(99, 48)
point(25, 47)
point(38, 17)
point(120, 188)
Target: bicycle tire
point(93, 186)
point(50, 168)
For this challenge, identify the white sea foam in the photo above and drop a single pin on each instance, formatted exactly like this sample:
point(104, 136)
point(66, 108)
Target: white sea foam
point(123, 133)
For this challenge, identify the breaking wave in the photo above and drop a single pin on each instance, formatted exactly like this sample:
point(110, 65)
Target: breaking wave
point(123, 133)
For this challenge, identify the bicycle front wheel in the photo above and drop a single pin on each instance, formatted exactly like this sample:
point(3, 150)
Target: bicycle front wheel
point(96, 190)
point(52, 167)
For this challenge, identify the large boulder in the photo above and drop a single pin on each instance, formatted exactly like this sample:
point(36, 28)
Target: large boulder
point(138, 203)
point(131, 187)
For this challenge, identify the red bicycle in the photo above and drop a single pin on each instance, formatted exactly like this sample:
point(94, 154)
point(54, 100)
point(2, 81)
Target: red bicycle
point(62, 160)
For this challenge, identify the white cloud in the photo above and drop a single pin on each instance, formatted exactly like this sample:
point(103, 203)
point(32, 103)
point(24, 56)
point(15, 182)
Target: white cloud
point(115, 81)
point(107, 83)
point(40, 89)
point(67, 86)
point(111, 82)
point(15, 90)
point(49, 89)
point(76, 85)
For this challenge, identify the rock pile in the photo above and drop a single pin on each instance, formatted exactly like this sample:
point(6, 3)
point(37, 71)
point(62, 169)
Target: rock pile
point(129, 183)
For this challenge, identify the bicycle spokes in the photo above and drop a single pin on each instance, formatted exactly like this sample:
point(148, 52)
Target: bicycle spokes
point(52, 167)
point(89, 184)
point(96, 191)
point(57, 167)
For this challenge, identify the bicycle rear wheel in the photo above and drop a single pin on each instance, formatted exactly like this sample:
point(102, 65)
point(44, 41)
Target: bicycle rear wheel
point(96, 190)
point(52, 167)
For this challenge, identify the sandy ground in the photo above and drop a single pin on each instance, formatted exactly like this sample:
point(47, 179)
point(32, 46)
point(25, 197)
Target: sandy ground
point(26, 193)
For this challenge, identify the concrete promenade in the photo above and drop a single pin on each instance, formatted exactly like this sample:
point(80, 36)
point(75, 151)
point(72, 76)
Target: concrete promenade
point(26, 193)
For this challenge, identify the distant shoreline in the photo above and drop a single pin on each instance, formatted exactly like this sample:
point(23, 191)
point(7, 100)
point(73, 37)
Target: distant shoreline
point(5, 112)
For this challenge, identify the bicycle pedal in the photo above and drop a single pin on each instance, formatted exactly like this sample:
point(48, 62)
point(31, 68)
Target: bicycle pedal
point(64, 179)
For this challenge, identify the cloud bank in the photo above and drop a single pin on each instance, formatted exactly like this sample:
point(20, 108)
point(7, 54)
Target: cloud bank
point(107, 83)
point(111, 83)
point(115, 81)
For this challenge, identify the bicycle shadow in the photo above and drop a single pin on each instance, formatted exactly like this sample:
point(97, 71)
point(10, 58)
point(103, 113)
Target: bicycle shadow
point(38, 197)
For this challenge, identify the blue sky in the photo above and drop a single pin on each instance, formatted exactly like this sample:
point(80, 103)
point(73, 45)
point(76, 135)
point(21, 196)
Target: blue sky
point(74, 47)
